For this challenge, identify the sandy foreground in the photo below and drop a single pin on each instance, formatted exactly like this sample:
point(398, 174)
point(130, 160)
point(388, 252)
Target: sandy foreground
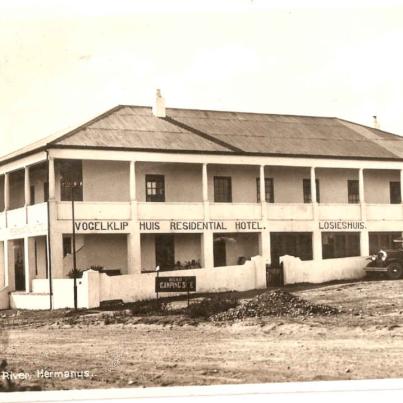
point(365, 341)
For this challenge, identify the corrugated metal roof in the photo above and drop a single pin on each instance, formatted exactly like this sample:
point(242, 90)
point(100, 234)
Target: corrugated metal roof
point(135, 127)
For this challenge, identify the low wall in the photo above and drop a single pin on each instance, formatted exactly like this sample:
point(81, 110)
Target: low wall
point(320, 271)
point(134, 287)
point(94, 287)
point(63, 291)
point(4, 298)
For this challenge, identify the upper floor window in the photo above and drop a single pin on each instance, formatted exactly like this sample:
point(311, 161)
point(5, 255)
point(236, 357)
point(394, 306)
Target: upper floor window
point(269, 190)
point(395, 195)
point(155, 188)
point(222, 189)
point(71, 173)
point(353, 191)
point(307, 191)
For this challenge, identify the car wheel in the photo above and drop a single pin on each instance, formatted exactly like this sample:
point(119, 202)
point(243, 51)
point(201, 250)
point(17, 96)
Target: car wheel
point(395, 271)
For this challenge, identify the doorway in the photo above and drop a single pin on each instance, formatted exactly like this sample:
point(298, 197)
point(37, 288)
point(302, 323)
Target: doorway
point(220, 253)
point(165, 251)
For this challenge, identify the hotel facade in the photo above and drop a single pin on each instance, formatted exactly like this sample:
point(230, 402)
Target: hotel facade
point(194, 189)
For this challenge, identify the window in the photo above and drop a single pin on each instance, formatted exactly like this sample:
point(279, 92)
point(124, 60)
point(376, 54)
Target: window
point(307, 191)
point(383, 240)
point(32, 194)
point(269, 190)
point(340, 244)
point(395, 195)
point(222, 189)
point(46, 191)
point(297, 244)
point(353, 191)
point(71, 171)
point(155, 188)
point(67, 249)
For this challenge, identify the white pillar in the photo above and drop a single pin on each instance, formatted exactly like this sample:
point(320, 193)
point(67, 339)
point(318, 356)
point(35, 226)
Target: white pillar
point(313, 185)
point(361, 194)
point(205, 192)
point(4, 263)
point(26, 265)
point(134, 251)
point(317, 243)
point(262, 192)
point(132, 177)
point(6, 191)
point(361, 185)
point(27, 187)
point(264, 245)
point(364, 243)
point(207, 250)
point(134, 237)
point(52, 182)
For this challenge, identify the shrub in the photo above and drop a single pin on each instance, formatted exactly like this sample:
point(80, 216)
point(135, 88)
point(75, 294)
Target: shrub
point(153, 306)
point(211, 306)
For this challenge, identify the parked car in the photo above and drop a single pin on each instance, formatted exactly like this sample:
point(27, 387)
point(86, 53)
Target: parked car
point(387, 261)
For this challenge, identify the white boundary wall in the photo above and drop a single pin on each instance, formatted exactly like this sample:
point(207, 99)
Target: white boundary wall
point(94, 287)
point(249, 276)
point(311, 271)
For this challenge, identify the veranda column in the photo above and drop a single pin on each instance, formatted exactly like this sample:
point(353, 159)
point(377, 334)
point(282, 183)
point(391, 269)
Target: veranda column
point(205, 192)
point(27, 192)
point(364, 236)
point(264, 236)
point(55, 237)
point(207, 236)
point(4, 263)
point(6, 191)
point(27, 187)
point(51, 179)
point(133, 238)
point(317, 234)
point(207, 250)
point(26, 265)
point(6, 195)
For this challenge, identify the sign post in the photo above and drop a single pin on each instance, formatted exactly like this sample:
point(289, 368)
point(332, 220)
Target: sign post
point(157, 269)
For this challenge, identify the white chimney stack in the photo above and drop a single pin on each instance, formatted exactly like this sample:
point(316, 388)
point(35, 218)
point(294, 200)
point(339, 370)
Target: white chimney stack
point(376, 123)
point(159, 106)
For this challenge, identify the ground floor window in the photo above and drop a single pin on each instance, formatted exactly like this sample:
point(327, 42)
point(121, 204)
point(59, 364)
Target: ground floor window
point(383, 240)
point(298, 244)
point(231, 249)
point(340, 244)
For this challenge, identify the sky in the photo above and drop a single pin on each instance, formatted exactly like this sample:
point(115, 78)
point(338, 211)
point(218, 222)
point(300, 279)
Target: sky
point(64, 62)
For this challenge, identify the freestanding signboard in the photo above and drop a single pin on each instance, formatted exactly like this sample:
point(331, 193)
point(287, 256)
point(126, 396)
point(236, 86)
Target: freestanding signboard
point(175, 284)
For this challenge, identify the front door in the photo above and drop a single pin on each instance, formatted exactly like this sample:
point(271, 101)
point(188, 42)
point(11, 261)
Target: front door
point(220, 253)
point(165, 251)
point(19, 266)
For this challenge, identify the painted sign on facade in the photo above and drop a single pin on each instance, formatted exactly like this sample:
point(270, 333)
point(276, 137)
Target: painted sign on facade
point(341, 225)
point(101, 226)
point(199, 226)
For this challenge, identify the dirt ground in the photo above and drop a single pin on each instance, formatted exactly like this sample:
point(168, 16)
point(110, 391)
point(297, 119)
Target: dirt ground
point(365, 341)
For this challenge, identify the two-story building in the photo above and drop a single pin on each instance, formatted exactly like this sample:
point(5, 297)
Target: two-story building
point(179, 188)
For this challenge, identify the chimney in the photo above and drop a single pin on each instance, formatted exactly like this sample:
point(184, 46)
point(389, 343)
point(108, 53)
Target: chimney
point(375, 122)
point(159, 106)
